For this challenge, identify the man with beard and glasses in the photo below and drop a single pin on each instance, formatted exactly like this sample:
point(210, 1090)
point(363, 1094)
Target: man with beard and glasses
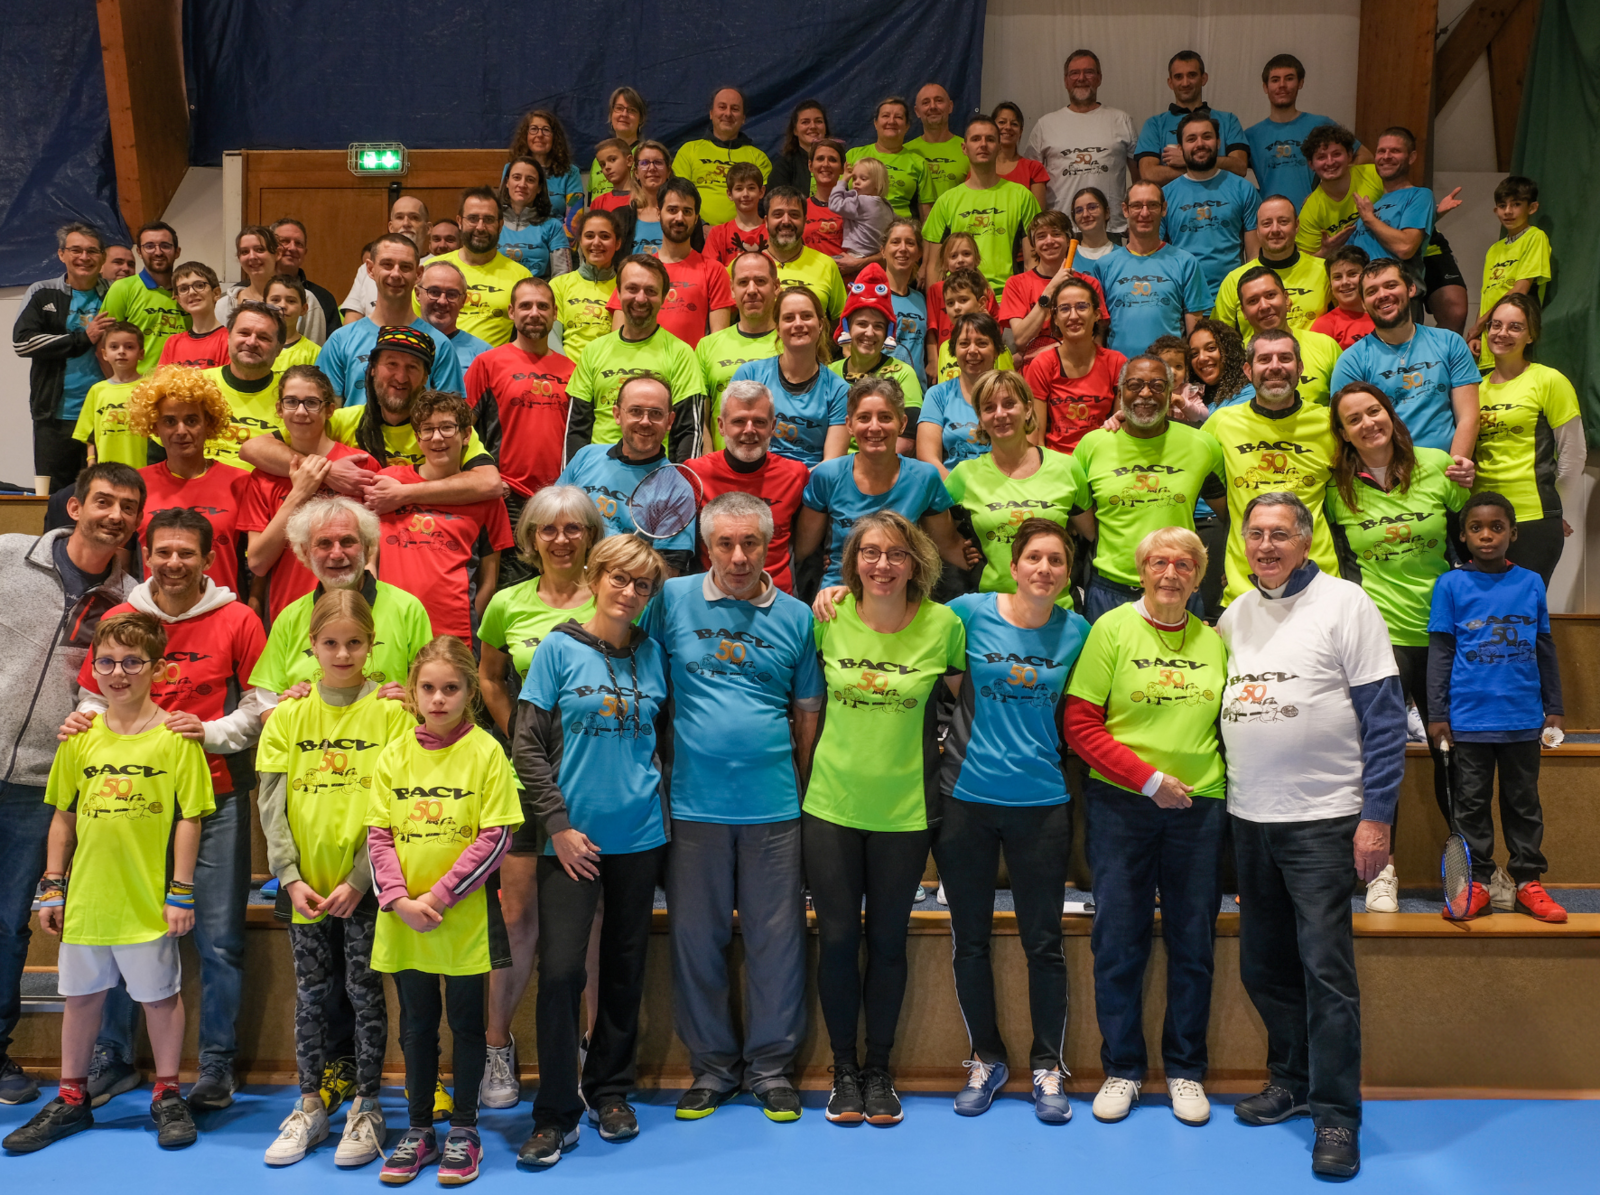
point(408, 217)
point(1086, 144)
point(442, 293)
point(1159, 154)
point(1276, 442)
point(394, 269)
point(1264, 304)
point(753, 338)
point(145, 299)
point(291, 236)
point(1304, 277)
point(1210, 212)
point(1428, 373)
point(798, 264)
point(248, 385)
point(745, 464)
point(489, 274)
point(1143, 478)
point(698, 298)
point(1152, 288)
point(54, 590)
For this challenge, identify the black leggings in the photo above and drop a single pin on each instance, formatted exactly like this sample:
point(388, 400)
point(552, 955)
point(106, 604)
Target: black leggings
point(1413, 665)
point(420, 1009)
point(1538, 547)
point(842, 866)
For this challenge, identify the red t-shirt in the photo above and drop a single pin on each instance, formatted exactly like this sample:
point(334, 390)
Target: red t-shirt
point(427, 550)
point(1344, 326)
point(939, 322)
point(777, 481)
point(289, 580)
point(611, 201)
point(824, 229)
point(1076, 405)
point(726, 241)
point(196, 352)
point(521, 403)
point(699, 287)
point(218, 493)
point(1022, 295)
point(209, 660)
point(1027, 172)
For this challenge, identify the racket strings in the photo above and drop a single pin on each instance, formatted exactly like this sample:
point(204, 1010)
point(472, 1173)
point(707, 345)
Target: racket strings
point(1456, 871)
point(663, 504)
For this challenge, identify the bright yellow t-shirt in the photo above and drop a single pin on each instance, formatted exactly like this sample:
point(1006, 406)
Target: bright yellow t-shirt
point(1505, 265)
point(1320, 213)
point(255, 413)
point(1516, 453)
point(1305, 280)
point(104, 418)
point(581, 310)
point(302, 352)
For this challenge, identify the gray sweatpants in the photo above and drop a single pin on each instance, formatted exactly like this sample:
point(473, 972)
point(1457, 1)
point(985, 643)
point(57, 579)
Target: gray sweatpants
point(711, 870)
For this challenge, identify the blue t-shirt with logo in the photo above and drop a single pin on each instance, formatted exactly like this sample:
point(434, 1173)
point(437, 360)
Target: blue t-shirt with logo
point(532, 245)
point(1012, 694)
point(832, 489)
point(736, 668)
point(1409, 207)
point(1209, 219)
point(83, 370)
point(344, 360)
point(599, 471)
point(609, 769)
point(911, 332)
point(804, 416)
point(647, 236)
point(948, 408)
point(1280, 167)
point(1161, 130)
point(1494, 676)
point(1417, 376)
point(1149, 296)
point(467, 347)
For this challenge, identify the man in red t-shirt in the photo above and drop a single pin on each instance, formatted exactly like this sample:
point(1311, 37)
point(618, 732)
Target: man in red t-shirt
point(747, 420)
point(698, 299)
point(219, 494)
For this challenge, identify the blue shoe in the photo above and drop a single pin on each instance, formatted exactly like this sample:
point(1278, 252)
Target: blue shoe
point(1050, 1098)
point(16, 1085)
point(983, 1080)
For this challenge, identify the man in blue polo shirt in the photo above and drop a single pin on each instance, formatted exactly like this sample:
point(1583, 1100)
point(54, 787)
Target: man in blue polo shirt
point(1428, 373)
point(1159, 158)
point(742, 660)
point(1210, 213)
point(1152, 288)
point(1399, 222)
point(1281, 169)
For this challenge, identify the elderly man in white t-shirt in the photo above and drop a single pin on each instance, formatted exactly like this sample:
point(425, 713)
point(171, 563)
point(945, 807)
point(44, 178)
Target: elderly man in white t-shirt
point(1315, 729)
point(1085, 144)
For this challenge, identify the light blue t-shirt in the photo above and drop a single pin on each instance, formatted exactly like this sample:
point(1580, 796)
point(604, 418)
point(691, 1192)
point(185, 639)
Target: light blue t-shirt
point(1209, 219)
point(1012, 694)
point(467, 347)
point(647, 236)
point(1161, 130)
point(83, 370)
point(804, 416)
point(566, 193)
point(1417, 376)
point(1409, 207)
point(1280, 167)
point(833, 491)
point(946, 406)
point(610, 767)
point(344, 360)
point(599, 471)
point(532, 245)
point(736, 668)
point(911, 332)
point(1149, 296)
point(1497, 619)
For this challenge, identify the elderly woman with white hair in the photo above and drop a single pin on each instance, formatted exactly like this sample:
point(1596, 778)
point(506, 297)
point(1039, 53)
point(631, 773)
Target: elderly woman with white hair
point(1142, 711)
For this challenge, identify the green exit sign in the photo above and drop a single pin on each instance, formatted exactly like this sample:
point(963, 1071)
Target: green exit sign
point(377, 157)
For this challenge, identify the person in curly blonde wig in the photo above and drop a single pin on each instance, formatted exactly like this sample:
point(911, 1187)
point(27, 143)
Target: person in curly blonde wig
point(176, 384)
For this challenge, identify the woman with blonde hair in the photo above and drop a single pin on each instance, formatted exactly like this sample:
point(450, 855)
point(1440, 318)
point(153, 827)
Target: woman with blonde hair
point(809, 400)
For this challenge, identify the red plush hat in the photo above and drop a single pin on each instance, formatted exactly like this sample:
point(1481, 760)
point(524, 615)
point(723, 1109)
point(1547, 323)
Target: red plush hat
point(870, 292)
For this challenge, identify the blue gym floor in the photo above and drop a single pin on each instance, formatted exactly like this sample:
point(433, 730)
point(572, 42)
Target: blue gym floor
point(1408, 1148)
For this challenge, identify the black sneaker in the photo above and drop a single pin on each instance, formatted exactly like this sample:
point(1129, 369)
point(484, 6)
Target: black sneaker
point(1273, 1106)
point(213, 1091)
point(55, 1120)
point(110, 1076)
point(616, 1120)
point(546, 1145)
point(1337, 1153)
point(700, 1102)
point(881, 1100)
point(174, 1122)
point(780, 1102)
point(844, 1105)
point(17, 1086)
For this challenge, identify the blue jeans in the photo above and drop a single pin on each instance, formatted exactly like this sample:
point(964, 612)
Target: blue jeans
point(1135, 846)
point(1102, 596)
point(221, 891)
point(26, 819)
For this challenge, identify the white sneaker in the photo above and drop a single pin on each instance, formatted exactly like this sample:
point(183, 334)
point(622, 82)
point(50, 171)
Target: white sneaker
point(1502, 892)
point(304, 1128)
point(922, 893)
point(1383, 893)
point(1189, 1103)
point(364, 1131)
point(1415, 732)
point(1115, 1100)
point(500, 1087)
point(940, 897)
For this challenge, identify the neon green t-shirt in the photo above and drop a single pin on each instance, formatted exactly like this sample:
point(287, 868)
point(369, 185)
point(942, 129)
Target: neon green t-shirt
point(400, 439)
point(1505, 265)
point(994, 217)
point(880, 708)
point(1319, 353)
point(705, 164)
point(887, 367)
point(328, 753)
point(947, 162)
point(255, 413)
point(487, 311)
point(1394, 546)
point(1139, 486)
point(1294, 454)
point(720, 354)
point(1516, 452)
point(998, 504)
point(610, 361)
point(910, 181)
point(517, 621)
point(104, 418)
point(946, 367)
point(302, 352)
point(581, 311)
point(1162, 692)
point(1304, 277)
point(403, 630)
point(1321, 214)
point(436, 803)
point(128, 790)
point(153, 311)
point(818, 273)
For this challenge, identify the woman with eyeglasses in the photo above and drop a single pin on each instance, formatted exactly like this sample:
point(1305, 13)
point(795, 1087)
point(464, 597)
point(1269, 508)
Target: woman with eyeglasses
point(541, 137)
point(625, 113)
point(589, 727)
point(1154, 800)
point(652, 167)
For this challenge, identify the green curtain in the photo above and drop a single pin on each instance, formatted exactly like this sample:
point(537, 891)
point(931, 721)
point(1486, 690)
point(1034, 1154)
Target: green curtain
point(1558, 146)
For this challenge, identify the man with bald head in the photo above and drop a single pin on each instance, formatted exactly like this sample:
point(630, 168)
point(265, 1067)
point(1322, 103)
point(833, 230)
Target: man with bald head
point(1304, 277)
point(939, 147)
point(705, 162)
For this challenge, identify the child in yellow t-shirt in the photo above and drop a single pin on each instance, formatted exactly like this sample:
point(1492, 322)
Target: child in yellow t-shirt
point(103, 422)
point(1518, 263)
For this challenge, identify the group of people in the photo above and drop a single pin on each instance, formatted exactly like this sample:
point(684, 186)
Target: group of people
point(1117, 459)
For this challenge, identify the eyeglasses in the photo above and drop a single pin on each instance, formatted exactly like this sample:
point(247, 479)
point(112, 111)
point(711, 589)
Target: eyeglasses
point(156, 246)
point(132, 666)
point(438, 292)
point(1161, 564)
point(871, 554)
point(642, 586)
point(300, 404)
point(192, 288)
point(1255, 535)
point(565, 531)
point(480, 218)
point(1141, 385)
point(438, 430)
point(1143, 205)
point(645, 414)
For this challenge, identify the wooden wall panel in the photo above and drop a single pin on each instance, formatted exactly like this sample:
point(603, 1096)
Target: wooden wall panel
point(142, 45)
point(1508, 66)
point(1396, 74)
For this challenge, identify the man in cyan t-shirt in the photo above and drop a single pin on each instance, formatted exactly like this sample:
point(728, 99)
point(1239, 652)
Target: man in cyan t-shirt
point(1399, 222)
point(1159, 158)
point(1210, 212)
point(1275, 154)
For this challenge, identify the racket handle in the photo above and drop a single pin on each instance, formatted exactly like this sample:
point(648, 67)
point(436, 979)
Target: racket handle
point(1072, 252)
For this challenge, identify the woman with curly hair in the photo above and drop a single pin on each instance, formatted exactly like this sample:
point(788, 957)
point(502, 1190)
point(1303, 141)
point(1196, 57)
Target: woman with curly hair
point(184, 410)
point(1216, 371)
point(540, 136)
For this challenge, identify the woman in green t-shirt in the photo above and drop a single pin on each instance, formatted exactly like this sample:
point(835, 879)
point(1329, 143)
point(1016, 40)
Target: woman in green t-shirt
point(1142, 712)
point(873, 794)
point(557, 528)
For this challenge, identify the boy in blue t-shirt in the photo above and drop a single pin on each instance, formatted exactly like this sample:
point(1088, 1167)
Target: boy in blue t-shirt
point(1495, 690)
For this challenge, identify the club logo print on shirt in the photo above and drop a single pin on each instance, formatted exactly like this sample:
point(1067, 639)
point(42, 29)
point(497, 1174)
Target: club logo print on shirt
point(1492, 424)
point(1276, 469)
point(171, 683)
point(731, 656)
point(1503, 644)
point(1022, 683)
point(1021, 511)
point(334, 771)
point(605, 501)
point(427, 819)
point(1172, 684)
point(423, 529)
point(119, 794)
point(788, 427)
point(1254, 702)
point(1400, 539)
point(617, 716)
point(542, 390)
point(1144, 488)
point(875, 689)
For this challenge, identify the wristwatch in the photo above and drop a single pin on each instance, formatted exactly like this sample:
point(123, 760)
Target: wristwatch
point(1044, 300)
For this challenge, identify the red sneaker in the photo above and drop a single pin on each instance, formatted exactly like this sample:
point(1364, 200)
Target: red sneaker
point(1533, 900)
point(1477, 904)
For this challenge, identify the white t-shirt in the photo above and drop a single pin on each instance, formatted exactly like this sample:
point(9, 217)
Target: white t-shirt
point(363, 296)
point(1086, 149)
point(1096, 254)
point(1289, 726)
